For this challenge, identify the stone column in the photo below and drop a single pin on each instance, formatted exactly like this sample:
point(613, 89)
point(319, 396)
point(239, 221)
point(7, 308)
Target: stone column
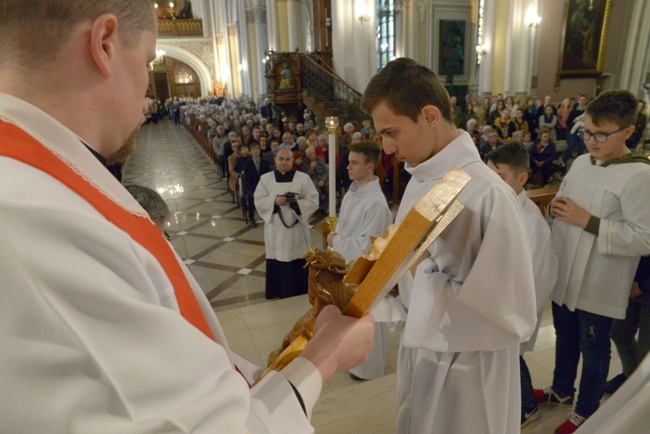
point(261, 45)
point(485, 70)
point(636, 59)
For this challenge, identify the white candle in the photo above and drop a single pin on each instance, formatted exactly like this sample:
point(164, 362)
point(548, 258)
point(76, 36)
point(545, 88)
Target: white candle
point(332, 123)
point(332, 169)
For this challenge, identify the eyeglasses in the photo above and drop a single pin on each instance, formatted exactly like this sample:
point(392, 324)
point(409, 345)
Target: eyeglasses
point(598, 137)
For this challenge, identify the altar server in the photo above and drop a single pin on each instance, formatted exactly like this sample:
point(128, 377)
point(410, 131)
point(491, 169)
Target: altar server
point(285, 199)
point(102, 327)
point(601, 229)
point(471, 300)
point(511, 163)
point(364, 214)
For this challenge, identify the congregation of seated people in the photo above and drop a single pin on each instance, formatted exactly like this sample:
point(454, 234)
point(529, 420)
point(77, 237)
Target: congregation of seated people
point(494, 121)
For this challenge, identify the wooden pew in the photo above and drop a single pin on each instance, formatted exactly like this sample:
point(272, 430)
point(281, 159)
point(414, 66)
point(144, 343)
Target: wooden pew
point(543, 196)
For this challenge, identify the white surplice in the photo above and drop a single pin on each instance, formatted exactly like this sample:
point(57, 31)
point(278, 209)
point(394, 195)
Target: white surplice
point(90, 333)
point(544, 260)
point(364, 214)
point(470, 305)
point(282, 243)
point(596, 273)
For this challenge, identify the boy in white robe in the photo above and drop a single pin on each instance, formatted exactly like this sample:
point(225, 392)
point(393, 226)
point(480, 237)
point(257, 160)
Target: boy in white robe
point(285, 199)
point(102, 327)
point(511, 163)
point(364, 214)
point(601, 228)
point(471, 300)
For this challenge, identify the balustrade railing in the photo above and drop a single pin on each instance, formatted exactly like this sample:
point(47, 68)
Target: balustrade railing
point(323, 85)
point(180, 28)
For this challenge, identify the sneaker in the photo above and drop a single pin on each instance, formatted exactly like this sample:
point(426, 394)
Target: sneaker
point(571, 424)
point(253, 224)
point(613, 384)
point(548, 396)
point(529, 416)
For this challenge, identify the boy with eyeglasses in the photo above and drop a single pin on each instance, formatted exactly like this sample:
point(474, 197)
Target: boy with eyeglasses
point(601, 228)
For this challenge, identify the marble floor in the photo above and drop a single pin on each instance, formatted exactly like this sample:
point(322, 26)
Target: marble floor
point(226, 256)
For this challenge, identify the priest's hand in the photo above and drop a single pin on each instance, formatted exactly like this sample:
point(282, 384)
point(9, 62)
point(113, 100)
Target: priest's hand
point(330, 239)
point(566, 210)
point(280, 200)
point(340, 342)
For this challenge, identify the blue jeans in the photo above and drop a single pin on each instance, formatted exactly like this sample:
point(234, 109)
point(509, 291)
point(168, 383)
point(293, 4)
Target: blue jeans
point(528, 401)
point(587, 333)
point(630, 350)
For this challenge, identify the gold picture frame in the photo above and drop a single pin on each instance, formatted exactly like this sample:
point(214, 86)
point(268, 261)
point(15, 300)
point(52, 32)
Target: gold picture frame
point(584, 34)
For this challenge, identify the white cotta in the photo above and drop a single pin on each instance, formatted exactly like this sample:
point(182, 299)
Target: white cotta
point(364, 214)
point(596, 273)
point(544, 260)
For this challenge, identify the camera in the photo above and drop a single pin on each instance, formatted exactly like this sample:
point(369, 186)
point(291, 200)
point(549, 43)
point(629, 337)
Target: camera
point(291, 197)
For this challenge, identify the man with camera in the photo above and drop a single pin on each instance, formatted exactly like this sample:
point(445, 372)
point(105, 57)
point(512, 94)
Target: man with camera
point(285, 199)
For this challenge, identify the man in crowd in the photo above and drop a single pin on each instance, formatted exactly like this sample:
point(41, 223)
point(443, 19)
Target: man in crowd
point(218, 142)
point(510, 162)
point(250, 171)
point(573, 141)
point(456, 112)
point(272, 154)
point(285, 199)
point(316, 168)
point(364, 214)
point(601, 229)
point(542, 155)
point(103, 328)
point(471, 299)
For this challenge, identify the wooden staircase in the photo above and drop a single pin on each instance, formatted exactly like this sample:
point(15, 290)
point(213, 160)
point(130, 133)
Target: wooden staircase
point(313, 85)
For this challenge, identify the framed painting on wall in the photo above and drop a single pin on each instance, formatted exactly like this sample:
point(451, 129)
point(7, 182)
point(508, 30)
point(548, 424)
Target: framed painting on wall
point(451, 56)
point(451, 47)
point(583, 37)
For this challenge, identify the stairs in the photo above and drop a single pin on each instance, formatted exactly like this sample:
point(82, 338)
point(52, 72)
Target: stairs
point(327, 94)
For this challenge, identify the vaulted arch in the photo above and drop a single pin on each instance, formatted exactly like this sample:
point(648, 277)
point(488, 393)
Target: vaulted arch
point(193, 61)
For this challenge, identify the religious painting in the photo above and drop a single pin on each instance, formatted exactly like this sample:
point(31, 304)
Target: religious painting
point(451, 47)
point(584, 37)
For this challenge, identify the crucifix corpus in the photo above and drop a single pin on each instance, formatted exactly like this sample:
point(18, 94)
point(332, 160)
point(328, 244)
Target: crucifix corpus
point(359, 289)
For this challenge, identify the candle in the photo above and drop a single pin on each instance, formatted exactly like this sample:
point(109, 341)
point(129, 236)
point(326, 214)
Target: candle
point(332, 124)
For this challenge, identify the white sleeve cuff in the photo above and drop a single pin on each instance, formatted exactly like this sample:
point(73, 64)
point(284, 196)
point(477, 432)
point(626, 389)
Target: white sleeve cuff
point(306, 378)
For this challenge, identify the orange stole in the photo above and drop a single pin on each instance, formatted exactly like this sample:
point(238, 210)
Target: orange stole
point(17, 144)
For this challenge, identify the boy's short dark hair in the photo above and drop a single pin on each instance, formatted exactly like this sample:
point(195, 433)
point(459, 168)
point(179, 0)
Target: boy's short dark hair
point(406, 87)
point(512, 154)
point(616, 106)
point(253, 145)
point(370, 150)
